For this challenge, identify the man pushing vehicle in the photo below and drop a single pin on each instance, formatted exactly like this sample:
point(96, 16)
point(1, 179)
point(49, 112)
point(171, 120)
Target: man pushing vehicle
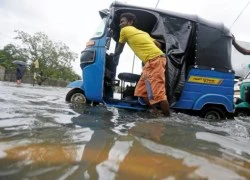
point(151, 86)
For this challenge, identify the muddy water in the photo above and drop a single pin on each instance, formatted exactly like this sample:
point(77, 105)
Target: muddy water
point(42, 137)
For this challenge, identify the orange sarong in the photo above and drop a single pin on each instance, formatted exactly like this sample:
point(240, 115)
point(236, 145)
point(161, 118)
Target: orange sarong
point(152, 82)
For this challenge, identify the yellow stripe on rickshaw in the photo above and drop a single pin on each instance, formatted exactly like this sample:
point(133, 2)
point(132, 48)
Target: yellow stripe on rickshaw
point(205, 80)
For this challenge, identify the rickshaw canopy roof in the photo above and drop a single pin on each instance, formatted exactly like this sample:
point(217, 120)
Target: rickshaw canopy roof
point(185, 36)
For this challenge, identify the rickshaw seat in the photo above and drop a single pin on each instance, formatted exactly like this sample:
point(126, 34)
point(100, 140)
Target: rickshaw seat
point(129, 77)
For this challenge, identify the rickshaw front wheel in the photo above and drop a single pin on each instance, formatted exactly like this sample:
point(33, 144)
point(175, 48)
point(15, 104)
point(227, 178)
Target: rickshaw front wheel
point(76, 96)
point(213, 113)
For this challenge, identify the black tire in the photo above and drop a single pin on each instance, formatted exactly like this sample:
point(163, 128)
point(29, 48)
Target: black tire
point(77, 96)
point(213, 113)
point(241, 113)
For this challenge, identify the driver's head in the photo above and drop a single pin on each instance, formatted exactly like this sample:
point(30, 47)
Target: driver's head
point(127, 19)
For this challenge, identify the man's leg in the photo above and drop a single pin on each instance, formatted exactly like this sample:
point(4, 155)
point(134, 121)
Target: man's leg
point(165, 107)
point(156, 78)
point(145, 99)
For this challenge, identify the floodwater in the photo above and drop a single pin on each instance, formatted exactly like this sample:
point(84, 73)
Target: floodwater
point(42, 137)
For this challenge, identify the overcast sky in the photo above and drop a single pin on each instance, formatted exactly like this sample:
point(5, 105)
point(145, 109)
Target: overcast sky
point(74, 21)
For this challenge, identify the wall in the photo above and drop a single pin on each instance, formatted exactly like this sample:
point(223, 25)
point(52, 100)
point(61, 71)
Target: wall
point(2, 73)
point(28, 78)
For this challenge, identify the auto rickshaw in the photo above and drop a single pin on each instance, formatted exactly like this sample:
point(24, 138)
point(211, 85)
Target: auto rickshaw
point(199, 74)
point(242, 103)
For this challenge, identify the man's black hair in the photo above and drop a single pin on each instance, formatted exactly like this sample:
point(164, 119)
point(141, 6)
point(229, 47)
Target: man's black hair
point(129, 17)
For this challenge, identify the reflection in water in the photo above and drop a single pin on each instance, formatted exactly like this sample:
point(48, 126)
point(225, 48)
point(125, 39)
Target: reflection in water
point(42, 137)
point(204, 168)
point(143, 163)
point(238, 147)
point(148, 130)
point(117, 154)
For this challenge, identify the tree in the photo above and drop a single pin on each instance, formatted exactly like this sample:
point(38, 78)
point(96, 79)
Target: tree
point(52, 57)
point(8, 54)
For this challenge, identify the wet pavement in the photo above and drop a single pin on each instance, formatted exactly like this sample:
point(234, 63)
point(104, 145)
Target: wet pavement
point(43, 137)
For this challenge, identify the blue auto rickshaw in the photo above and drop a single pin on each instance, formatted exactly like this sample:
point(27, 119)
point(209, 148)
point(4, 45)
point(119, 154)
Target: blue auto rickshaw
point(199, 74)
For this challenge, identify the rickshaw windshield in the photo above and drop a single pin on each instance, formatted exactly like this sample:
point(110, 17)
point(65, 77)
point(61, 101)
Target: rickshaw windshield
point(100, 28)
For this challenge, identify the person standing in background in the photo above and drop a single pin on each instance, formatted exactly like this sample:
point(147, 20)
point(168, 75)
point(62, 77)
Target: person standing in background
point(20, 70)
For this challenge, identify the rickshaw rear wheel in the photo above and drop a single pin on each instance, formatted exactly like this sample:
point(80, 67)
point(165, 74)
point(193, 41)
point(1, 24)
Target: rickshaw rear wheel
point(213, 113)
point(77, 96)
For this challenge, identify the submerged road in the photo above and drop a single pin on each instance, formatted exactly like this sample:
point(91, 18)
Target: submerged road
point(43, 137)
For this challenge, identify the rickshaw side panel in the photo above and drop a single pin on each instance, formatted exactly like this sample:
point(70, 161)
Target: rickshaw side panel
point(214, 99)
point(206, 87)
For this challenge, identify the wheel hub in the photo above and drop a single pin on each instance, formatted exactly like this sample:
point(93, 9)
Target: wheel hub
point(212, 115)
point(78, 98)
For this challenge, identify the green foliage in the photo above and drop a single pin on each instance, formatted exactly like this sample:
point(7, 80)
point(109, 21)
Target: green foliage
point(54, 58)
point(8, 54)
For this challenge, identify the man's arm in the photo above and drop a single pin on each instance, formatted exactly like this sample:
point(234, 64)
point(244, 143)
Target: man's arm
point(239, 48)
point(118, 51)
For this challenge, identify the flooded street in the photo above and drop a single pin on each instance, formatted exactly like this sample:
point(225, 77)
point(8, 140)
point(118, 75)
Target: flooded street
point(43, 137)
